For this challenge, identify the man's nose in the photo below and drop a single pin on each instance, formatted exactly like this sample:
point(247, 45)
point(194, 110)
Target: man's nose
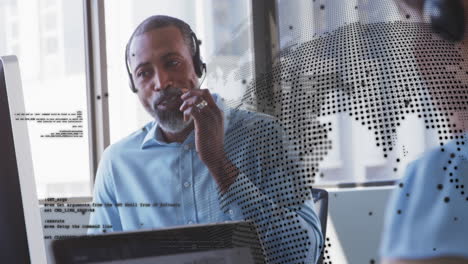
point(162, 80)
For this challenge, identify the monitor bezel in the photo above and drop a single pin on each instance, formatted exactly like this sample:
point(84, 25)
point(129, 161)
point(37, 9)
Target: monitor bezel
point(31, 210)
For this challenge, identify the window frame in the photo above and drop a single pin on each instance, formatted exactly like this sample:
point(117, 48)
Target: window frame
point(96, 82)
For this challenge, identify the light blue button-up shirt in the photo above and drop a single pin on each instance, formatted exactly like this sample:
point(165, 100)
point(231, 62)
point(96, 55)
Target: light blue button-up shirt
point(427, 216)
point(143, 182)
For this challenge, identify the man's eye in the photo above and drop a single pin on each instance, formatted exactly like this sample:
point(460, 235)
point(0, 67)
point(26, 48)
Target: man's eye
point(142, 74)
point(172, 63)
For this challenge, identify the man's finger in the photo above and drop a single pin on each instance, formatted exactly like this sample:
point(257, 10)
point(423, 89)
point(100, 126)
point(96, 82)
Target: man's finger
point(187, 103)
point(192, 111)
point(204, 93)
point(208, 97)
point(192, 92)
point(191, 101)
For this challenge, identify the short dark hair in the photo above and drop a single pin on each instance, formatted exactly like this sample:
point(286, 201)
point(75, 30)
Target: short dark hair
point(160, 21)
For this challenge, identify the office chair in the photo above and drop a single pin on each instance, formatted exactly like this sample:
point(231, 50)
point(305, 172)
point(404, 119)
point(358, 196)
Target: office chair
point(320, 197)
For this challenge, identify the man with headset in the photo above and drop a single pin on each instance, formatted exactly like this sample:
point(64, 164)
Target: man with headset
point(177, 170)
point(427, 217)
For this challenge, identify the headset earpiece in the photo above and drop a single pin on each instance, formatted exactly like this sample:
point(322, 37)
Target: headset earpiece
point(130, 83)
point(130, 77)
point(198, 64)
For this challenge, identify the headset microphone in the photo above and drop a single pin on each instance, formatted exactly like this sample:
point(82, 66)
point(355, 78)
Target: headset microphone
point(204, 77)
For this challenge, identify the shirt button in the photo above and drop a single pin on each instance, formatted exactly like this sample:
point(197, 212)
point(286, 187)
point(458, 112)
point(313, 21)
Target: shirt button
point(231, 212)
point(190, 222)
point(187, 184)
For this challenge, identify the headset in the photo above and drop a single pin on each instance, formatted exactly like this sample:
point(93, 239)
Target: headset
point(446, 17)
point(198, 64)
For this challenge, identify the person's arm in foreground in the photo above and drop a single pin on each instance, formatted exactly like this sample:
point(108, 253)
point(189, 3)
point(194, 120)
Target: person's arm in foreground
point(426, 216)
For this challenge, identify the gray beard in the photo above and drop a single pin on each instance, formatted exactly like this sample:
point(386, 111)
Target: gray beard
point(172, 121)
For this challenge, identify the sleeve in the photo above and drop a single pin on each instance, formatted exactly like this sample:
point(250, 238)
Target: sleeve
point(104, 218)
point(266, 192)
point(284, 232)
point(390, 246)
point(427, 214)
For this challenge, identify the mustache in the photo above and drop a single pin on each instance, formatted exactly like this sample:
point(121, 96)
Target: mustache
point(170, 93)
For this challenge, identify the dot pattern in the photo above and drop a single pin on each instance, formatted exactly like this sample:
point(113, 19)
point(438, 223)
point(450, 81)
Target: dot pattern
point(376, 73)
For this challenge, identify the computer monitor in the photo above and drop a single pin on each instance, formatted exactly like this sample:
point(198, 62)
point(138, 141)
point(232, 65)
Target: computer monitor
point(21, 236)
point(226, 242)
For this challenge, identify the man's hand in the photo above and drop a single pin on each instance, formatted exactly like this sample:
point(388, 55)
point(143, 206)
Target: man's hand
point(209, 134)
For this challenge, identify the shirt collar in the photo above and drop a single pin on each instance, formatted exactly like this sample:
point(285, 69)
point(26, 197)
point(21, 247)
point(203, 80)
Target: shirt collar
point(154, 136)
point(150, 130)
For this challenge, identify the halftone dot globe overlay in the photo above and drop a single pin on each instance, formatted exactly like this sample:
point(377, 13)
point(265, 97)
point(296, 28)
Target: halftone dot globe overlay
point(376, 73)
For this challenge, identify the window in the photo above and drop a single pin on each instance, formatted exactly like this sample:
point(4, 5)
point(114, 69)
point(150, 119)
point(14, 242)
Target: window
point(11, 27)
point(355, 155)
point(47, 37)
